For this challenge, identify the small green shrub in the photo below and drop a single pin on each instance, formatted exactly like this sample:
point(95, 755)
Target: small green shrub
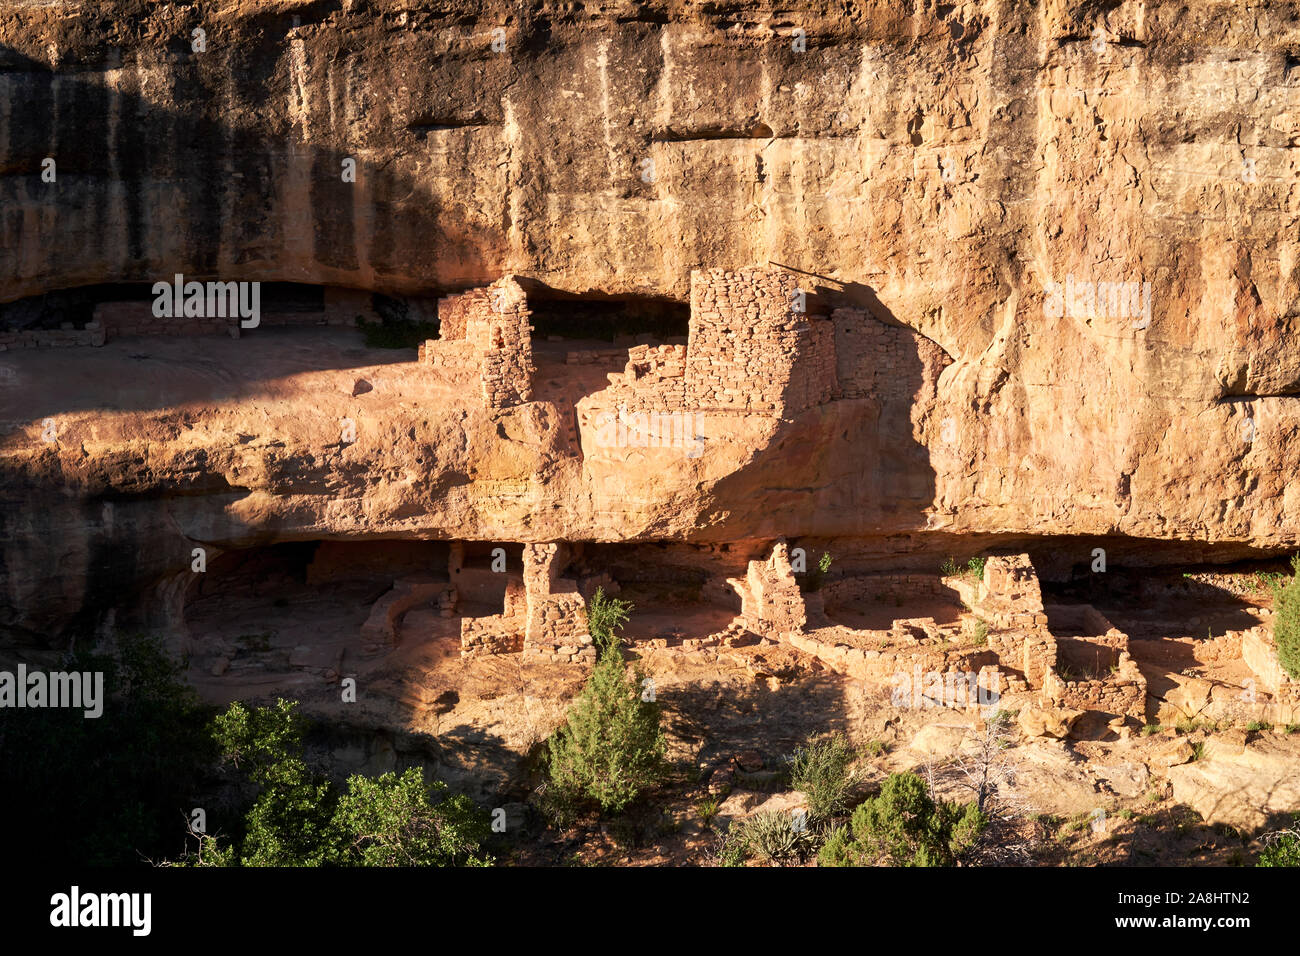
point(1258, 725)
point(1281, 849)
point(399, 820)
point(300, 818)
point(1150, 729)
point(558, 806)
point(838, 849)
point(1268, 580)
point(731, 848)
point(773, 836)
point(708, 809)
point(974, 568)
point(904, 826)
point(822, 769)
point(981, 632)
point(1198, 750)
point(815, 578)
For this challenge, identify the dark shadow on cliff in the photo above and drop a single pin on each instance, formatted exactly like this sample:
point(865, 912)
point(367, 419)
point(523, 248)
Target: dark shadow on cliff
point(234, 204)
point(849, 466)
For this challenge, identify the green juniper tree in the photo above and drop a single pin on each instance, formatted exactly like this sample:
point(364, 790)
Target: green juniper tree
point(905, 826)
point(610, 748)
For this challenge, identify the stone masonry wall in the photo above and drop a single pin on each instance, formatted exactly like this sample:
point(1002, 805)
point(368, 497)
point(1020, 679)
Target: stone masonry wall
point(772, 604)
point(1012, 601)
point(749, 350)
point(497, 633)
point(454, 312)
point(137, 318)
point(1123, 693)
point(557, 612)
point(882, 361)
point(653, 380)
point(486, 333)
point(884, 587)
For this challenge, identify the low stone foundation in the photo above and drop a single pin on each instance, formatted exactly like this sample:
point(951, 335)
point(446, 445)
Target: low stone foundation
point(545, 615)
point(497, 633)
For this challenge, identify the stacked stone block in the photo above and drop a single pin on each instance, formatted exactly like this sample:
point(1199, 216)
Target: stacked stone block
point(1123, 693)
point(497, 633)
point(1012, 601)
point(749, 350)
point(884, 587)
point(772, 605)
point(881, 361)
point(557, 612)
point(486, 333)
point(654, 379)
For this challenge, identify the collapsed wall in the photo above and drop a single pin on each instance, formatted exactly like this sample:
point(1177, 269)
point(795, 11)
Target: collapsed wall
point(772, 604)
point(544, 614)
point(484, 336)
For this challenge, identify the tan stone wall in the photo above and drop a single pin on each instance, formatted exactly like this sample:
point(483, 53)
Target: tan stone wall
point(497, 633)
point(507, 340)
point(456, 361)
point(557, 612)
point(454, 311)
point(486, 333)
point(748, 350)
point(909, 667)
point(137, 318)
point(544, 615)
point(654, 379)
point(1123, 693)
point(879, 360)
point(1011, 600)
point(884, 587)
point(772, 604)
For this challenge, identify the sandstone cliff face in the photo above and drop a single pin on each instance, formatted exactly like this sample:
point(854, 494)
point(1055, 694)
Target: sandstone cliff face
point(1090, 208)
